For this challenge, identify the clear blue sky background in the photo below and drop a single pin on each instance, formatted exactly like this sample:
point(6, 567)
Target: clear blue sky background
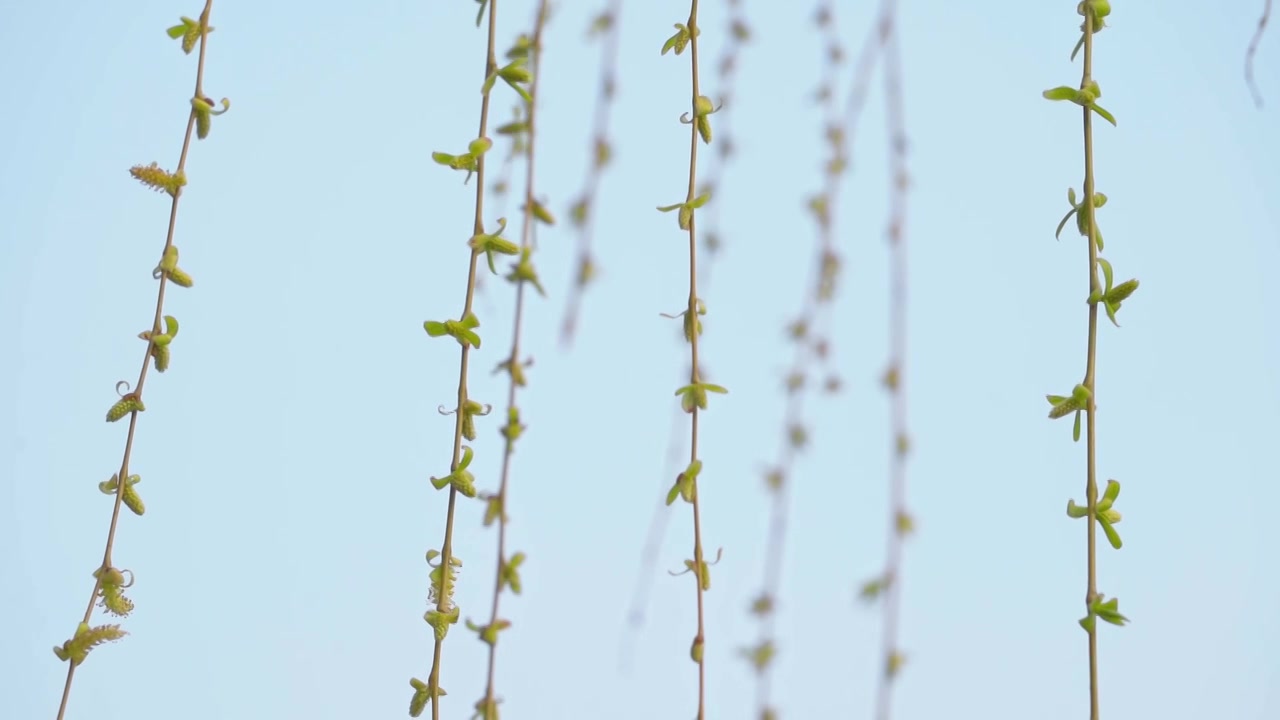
point(285, 455)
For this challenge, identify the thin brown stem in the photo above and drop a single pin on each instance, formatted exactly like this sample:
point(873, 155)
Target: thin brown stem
point(809, 330)
point(443, 599)
point(694, 376)
point(712, 243)
point(1253, 50)
point(900, 523)
point(584, 210)
point(1091, 482)
point(526, 244)
point(146, 358)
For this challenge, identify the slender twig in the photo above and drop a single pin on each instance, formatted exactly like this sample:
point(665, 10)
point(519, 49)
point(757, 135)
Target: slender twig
point(739, 34)
point(1091, 482)
point(444, 598)
point(1253, 50)
point(146, 358)
point(1111, 297)
point(584, 209)
point(808, 331)
point(700, 567)
point(490, 702)
point(900, 523)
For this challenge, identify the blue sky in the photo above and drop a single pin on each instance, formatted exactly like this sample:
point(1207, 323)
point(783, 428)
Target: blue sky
point(285, 455)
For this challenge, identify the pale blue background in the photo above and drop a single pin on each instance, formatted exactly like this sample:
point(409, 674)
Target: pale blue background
point(285, 455)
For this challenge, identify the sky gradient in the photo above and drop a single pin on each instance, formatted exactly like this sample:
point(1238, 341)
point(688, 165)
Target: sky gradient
point(285, 455)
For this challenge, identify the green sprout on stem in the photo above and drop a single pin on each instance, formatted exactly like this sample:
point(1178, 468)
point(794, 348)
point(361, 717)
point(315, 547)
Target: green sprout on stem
point(461, 479)
point(1107, 517)
point(468, 160)
point(1111, 297)
point(686, 209)
point(461, 330)
point(493, 243)
point(515, 75)
point(1082, 401)
point(1082, 217)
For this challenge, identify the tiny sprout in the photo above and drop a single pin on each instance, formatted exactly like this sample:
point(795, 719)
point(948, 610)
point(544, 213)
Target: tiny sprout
point(1082, 216)
point(440, 621)
point(523, 271)
point(493, 243)
point(702, 109)
point(513, 128)
point(159, 179)
point(686, 485)
point(893, 664)
point(702, 571)
point(686, 209)
point(461, 479)
point(891, 379)
point(486, 709)
point(695, 395)
point(695, 649)
point(168, 268)
point(795, 382)
point(442, 582)
point(160, 342)
point(587, 272)
point(189, 31)
point(1099, 9)
point(1108, 610)
point(513, 429)
point(111, 586)
point(1111, 297)
point(759, 656)
point(680, 39)
point(819, 205)
point(874, 588)
point(797, 436)
point(461, 330)
point(541, 212)
point(470, 410)
point(515, 369)
point(468, 160)
point(515, 75)
point(494, 508)
point(1086, 96)
point(85, 640)
point(521, 48)
point(1063, 406)
point(489, 633)
point(603, 153)
point(904, 523)
point(204, 112)
point(1107, 517)
point(127, 404)
point(511, 572)
point(131, 498)
point(601, 24)
point(692, 324)
point(425, 692)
